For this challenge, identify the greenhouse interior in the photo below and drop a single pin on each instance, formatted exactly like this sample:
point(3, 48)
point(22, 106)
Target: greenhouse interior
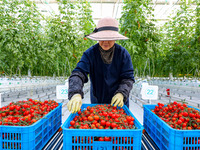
point(99, 75)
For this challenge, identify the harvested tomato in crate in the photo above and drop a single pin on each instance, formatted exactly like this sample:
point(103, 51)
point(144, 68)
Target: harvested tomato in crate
point(173, 126)
point(102, 127)
point(23, 129)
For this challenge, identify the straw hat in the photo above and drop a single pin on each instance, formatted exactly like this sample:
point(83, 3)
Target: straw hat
point(106, 30)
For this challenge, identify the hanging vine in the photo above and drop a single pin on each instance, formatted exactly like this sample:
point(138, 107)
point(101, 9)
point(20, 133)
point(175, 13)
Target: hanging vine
point(181, 46)
point(42, 45)
point(142, 34)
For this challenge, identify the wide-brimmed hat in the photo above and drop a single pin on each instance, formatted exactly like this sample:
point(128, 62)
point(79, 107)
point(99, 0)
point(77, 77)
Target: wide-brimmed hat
point(106, 30)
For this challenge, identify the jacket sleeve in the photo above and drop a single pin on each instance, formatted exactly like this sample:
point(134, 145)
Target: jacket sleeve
point(76, 82)
point(126, 76)
point(79, 77)
point(125, 88)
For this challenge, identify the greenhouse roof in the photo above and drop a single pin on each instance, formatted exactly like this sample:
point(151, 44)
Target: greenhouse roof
point(102, 8)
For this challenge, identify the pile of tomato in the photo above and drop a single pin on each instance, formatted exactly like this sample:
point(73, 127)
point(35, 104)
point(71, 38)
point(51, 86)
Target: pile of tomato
point(25, 113)
point(178, 116)
point(102, 117)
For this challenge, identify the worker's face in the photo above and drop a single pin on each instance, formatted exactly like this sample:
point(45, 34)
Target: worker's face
point(106, 45)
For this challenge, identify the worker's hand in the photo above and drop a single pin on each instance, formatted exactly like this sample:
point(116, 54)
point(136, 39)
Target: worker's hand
point(118, 100)
point(74, 105)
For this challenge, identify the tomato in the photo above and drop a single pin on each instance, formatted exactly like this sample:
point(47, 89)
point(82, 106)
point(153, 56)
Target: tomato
point(45, 113)
point(12, 107)
point(114, 110)
point(103, 122)
point(88, 108)
point(117, 115)
point(17, 108)
point(184, 105)
point(184, 125)
point(33, 120)
point(84, 118)
point(128, 118)
point(117, 120)
point(35, 102)
point(105, 114)
point(106, 119)
point(132, 119)
point(97, 125)
point(95, 122)
point(110, 114)
point(79, 112)
point(75, 118)
point(170, 108)
point(194, 125)
point(91, 110)
point(86, 125)
point(131, 123)
point(107, 124)
point(5, 120)
point(93, 126)
point(72, 123)
point(107, 138)
point(96, 117)
point(3, 114)
point(101, 127)
point(185, 114)
point(113, 125)
point(191, 115)
point(90, 118)
point(101, 139)
point(113, 116)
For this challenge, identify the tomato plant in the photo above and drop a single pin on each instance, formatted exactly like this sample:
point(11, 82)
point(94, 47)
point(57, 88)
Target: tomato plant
point(43, 45)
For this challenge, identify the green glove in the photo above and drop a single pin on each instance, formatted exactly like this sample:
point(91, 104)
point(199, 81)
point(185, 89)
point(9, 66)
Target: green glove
point(74, 105)
point(118, 100)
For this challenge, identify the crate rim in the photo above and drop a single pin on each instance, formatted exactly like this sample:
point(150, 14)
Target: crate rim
point(176, 130)
point(59, 104)
point(107, 130)
point(110, 130)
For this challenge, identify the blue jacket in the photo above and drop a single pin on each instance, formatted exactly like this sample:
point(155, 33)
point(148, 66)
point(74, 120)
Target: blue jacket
point(106, 79)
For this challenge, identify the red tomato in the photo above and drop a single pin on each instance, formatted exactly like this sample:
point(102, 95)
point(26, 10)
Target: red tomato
point(101, 139)
point(103, 122)
point(72, 122)
point(90, 118)
point(107, 124)
point(96, 117)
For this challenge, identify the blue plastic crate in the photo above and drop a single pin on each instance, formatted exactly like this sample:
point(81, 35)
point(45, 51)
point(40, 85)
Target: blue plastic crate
point(133, 136)
point(32, 137)
point(166, 137)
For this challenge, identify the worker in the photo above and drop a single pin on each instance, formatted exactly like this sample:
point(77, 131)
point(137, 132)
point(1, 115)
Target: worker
point(109, 67)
